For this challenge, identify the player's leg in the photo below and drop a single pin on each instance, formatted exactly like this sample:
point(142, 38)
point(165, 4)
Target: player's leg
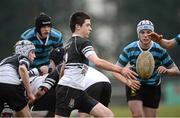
point(1, 106)
point(149, 112)
point(65, 100)
point(5, 111)
point(94, 93)
point(151, 101)
point(101, 92)
point(46, 103)
point(1, 100)
point(136, 108)
point(25, 112)
point(17, 101)
point(99, 110)
point(135, 103)
point(106, 94)
point(91, 106)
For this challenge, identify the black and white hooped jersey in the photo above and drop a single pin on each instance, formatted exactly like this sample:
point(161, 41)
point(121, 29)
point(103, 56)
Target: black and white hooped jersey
point(94, 76)
point(76, 62)
point(48, 80)
point(9, 69)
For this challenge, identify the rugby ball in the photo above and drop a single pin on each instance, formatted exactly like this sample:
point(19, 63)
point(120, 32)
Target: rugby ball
point(145, 65)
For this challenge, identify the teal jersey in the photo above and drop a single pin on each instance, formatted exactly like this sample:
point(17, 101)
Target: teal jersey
point(161, 57)
point(43, 49)
point(177, 38)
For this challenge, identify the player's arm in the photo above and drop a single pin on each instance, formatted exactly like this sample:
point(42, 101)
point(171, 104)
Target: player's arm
point(132, 83)
point(111, 67)
point(172, 70)
point(165, 43)
point(167, 65)
point(61, 71)
point(38, 71)
point(49, 82)
point(25, 78)
point(85, 47)
point(101, 63)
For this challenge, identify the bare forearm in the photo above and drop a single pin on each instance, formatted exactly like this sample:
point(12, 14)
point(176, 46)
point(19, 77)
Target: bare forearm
point(108, 66)
point(25, 78)
point(120, 77)
point(133, 84)
point(167, 43)
point(173, 71)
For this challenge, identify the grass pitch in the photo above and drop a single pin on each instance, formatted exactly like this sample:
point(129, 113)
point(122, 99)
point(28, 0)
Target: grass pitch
point(163, 111)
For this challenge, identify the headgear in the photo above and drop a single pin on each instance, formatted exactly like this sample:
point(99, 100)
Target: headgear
point(145, 24)
point(57, 55)
point(23, 47)
point(42, 20)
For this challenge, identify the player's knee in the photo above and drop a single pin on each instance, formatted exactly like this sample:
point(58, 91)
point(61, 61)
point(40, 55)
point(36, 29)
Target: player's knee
point(106, 112)
point(137, 114)
point(109, 114)
point(101, 111)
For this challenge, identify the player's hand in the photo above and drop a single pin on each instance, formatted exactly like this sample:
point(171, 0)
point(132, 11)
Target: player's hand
point(155, 37)
point(31, 99)
point(31, 96)
point(41, 91)
point(30, 103)
point(133, 84)
point(44, 69)
point(162, 70)
point(128, 73)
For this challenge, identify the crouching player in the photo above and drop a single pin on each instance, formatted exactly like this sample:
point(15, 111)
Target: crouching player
point(12, 69)
point(43, 87)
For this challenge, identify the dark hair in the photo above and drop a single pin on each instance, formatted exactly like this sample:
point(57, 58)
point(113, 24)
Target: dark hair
point(77, 18)
point(57, 55)
point(42, 20)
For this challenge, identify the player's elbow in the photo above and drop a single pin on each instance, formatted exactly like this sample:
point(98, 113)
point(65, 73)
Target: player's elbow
point(177, 71)
point(170, 44)
point(98, 63)
point(95, 60)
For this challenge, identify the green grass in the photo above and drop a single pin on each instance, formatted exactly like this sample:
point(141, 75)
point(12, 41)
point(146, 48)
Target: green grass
point(163, 111)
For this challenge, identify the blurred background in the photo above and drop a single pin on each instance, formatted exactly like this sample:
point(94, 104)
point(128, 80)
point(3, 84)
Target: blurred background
point(114, 26)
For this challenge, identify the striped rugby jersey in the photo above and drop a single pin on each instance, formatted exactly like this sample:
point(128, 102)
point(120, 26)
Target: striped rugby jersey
point(161, 57)
point(43, 50)
point(76, 62)
point(9, 69)
point(177, 38)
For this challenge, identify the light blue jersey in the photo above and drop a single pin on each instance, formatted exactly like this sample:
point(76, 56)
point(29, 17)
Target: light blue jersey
point(177, 38)
point(43, 49)
point(161, 57)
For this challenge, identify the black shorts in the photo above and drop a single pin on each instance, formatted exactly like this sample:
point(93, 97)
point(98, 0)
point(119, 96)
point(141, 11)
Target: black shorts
point(13, 95)
point(46, 102)
point(68, 99)
point(100, 91)
point(149, 95)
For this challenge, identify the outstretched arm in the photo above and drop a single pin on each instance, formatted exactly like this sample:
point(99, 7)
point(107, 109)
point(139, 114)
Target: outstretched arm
point(132, 83)
point(172, 70)
point(165, 43)
point(101, 63)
